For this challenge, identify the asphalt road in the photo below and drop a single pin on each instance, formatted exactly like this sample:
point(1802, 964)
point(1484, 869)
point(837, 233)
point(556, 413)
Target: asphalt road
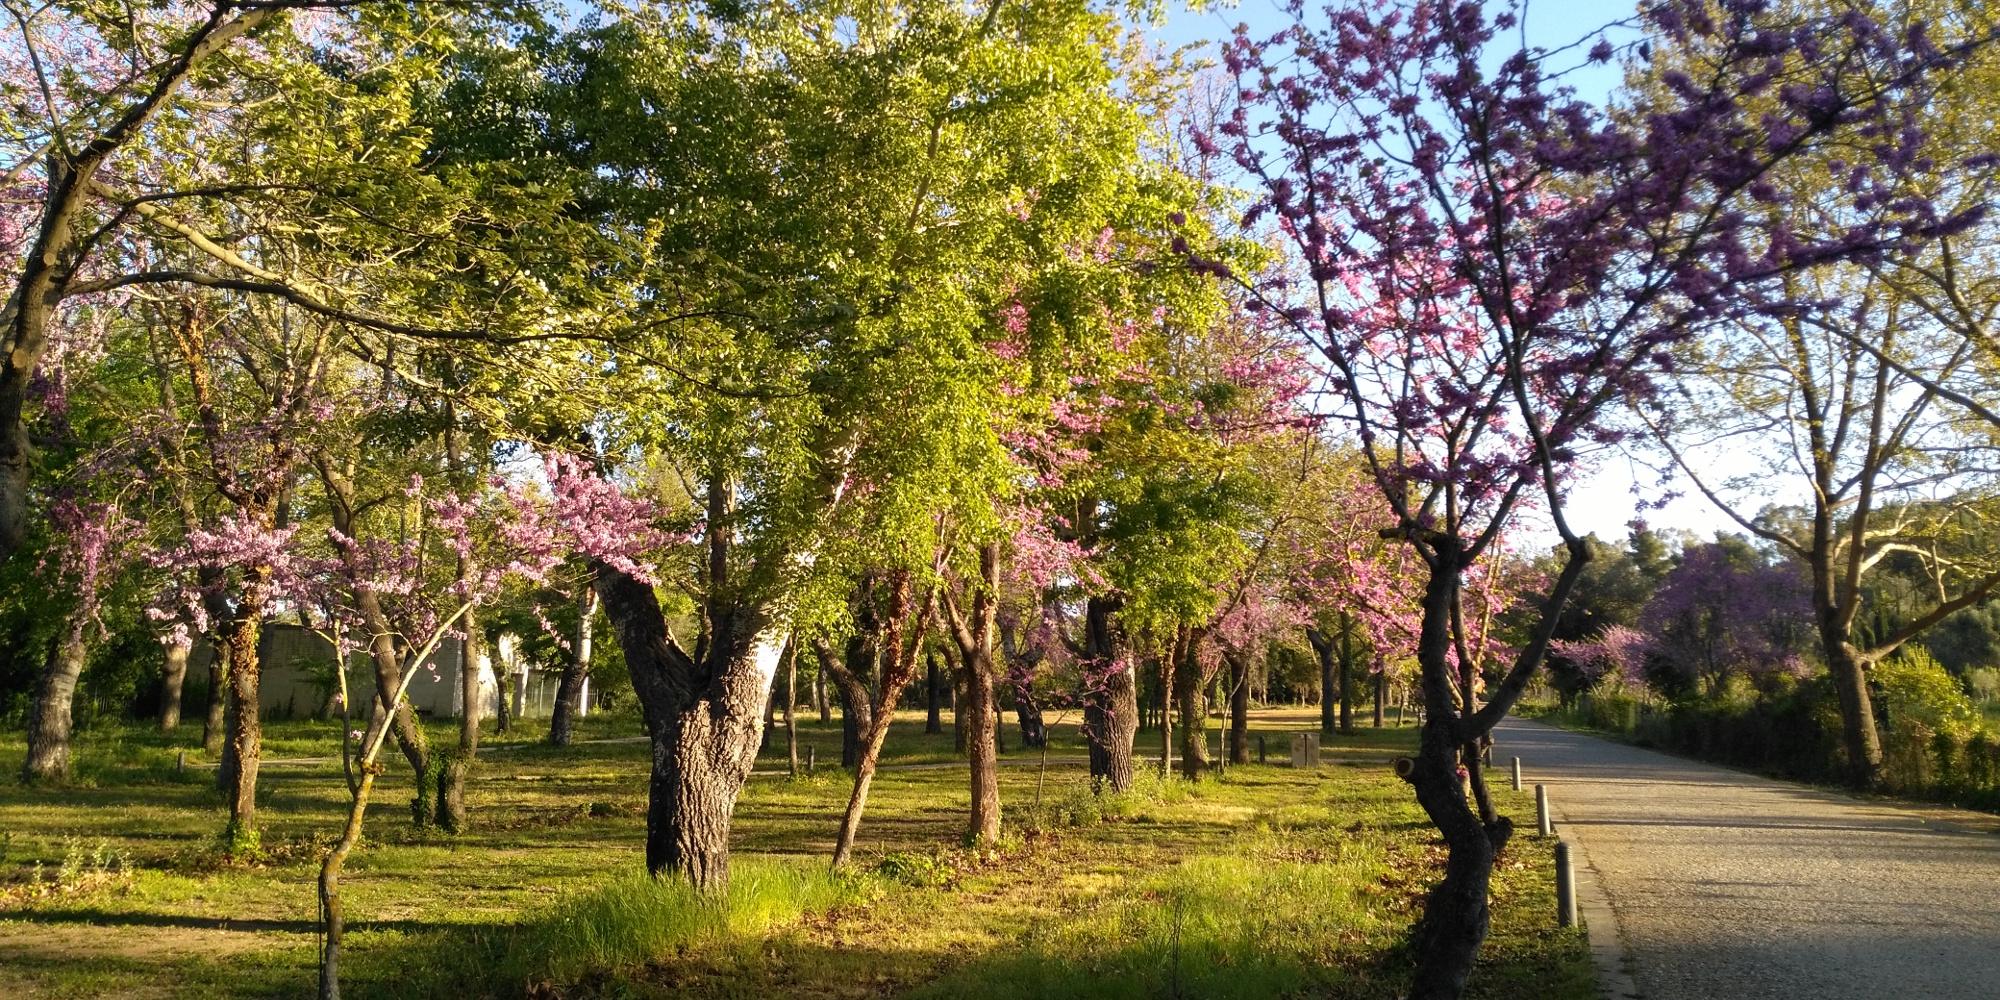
point(1720, 884)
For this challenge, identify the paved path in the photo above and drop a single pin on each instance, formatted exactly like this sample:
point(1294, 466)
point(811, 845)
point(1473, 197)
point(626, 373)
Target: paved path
point(1726, 885)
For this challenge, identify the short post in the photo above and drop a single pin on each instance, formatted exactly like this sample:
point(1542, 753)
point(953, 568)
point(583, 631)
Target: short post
point(1517, 774)
point(1542, 810)
point(1260, 748)
point(811, 753)
point(181, 762)
point(1565, 887)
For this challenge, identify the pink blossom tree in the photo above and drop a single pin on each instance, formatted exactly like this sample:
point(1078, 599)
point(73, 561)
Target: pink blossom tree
point(1490, 261)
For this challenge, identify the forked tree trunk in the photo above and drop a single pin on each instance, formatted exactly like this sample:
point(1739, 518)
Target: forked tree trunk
point(49, 723)
point(173, 676)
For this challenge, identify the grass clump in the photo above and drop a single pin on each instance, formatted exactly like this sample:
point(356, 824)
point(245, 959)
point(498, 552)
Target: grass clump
point(626, 923)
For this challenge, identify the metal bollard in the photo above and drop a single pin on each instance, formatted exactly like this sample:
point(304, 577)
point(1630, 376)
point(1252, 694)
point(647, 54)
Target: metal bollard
point(1565, 887)
point(1542, 820)
point(1517, 774)
point(811, 754)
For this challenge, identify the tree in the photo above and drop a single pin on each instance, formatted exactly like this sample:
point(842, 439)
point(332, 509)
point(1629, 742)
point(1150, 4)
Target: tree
point(1489, 262)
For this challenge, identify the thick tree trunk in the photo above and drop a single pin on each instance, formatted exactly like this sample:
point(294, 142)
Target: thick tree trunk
point(1239, 710)
point(1328, 682)
point(699, 765)
point(1192, 708)
point(49, 722)
point(1859, 736)
point(575, 674)
point(1111, 699)
point(933, 697)
point(173, 676)
point(214, 721)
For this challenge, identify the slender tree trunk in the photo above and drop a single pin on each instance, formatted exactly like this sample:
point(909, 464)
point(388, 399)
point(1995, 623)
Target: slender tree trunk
point(791, 706)
point(933, 698)
point(1345, 674)
point(173, 676)
point(213, 721)
point(331, 917)
point(1381, 696)
point(820, 700)
point(49, 723)
point(1239, 710)
point(866, 755)
point(576, 672)
point(1165, 673)
point(960, 732)
point(457, 767)
point(1322, 646)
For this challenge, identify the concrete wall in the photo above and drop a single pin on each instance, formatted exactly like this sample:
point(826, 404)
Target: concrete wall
point(297, 676)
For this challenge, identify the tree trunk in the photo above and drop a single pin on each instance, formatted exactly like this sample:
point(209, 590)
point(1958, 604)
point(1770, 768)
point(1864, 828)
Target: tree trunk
point(791, 707)
point(866, 754)
point(1345, 674)
point(1239, 710)
point(1111, 698)
point(218, 697)
point(700, 762)
point(331, 918)
point(982, 722)
point(457, 767)
point(1193, 711)
point(1328, 682)
point(49, 723)
point(246, 730)
point(575, 674)
point(849, 679)
point(820, 700)
point(173, 675)
point(933, 697)
point(1381, 695)
point(1165, 675)
point(1859, 736)
point(960, 736)
point(1034, 730)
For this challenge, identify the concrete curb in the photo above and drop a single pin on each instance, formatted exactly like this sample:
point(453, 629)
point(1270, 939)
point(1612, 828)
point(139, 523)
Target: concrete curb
point(1600, 922)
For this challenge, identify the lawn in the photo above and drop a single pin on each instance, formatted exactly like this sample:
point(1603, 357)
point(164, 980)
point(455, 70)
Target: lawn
point(1268, 882)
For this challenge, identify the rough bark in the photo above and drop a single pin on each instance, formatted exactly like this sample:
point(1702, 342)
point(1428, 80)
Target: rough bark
point(49, 721)
point(849, 672)
point(1859, 736)
point(246, 730)
point(1111, 698)
point(703, 717)
point(1028, 712)
point(1192, 706)
point(974, 630)
point(575, 673)
point(173, 676)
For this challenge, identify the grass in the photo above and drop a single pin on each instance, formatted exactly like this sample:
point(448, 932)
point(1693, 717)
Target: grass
point(1269, 882)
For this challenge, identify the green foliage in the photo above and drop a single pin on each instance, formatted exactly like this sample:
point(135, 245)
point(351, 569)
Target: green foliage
point(1915, 689)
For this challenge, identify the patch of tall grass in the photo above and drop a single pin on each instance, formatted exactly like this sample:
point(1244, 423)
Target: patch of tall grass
point(625, 923)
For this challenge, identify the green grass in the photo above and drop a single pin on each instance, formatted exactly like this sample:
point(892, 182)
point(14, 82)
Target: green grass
point(1271, 882)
